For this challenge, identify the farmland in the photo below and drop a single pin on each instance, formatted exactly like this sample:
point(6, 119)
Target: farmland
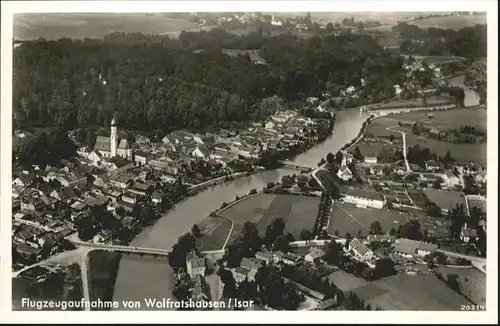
point(445, 199)
point(445, 119)
point(461, 152)
point(214, 231)
point(378, 127)
point(349, 218)
point(450, 21)
point(298, 212)
point(405, 292)
point(346, 281)
point(472, 282)
point(55, 26)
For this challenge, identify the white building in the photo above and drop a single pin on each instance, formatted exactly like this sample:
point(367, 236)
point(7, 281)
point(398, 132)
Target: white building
point(450, 178)
point(195, 265)
point(314, 255)
point(364, 198)
point(344, 173)
point(109, 147)
point(410, 248)
point(360, 251)
point(371, 159)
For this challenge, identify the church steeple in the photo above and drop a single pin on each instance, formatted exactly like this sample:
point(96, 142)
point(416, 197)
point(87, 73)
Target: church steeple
point(113, 143)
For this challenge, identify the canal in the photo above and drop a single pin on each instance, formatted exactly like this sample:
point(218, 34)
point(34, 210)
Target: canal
point(142, 277)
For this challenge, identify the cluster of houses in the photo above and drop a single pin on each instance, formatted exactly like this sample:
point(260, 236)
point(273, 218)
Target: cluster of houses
point(114, 175)
point(280, 131)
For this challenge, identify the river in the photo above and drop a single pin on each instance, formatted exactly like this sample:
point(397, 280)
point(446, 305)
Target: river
point(142, 277)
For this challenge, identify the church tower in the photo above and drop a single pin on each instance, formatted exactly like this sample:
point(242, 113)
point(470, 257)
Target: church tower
point(113, 138)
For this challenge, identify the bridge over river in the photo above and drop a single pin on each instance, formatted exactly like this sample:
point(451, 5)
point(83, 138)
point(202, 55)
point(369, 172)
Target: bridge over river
point(295, 166)
point(142, 251)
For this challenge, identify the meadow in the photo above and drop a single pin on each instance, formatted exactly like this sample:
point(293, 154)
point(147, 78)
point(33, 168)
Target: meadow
point(472, 282)
point(445, 199)
point(405, 292)
point(349, 218)
point(298, 212)
point(96, 25)
point(450, 21)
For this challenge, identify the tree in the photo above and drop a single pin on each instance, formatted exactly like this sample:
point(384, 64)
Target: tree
point(436, 184)
point(329, 27)
point(306, 235)
point(333, 253)
point(384, 267)
point(274, 230)
point(357, 154)
point(338, 158)
point(452, 281)
point(411, 230)
point(195, 230)
point(330, 158)
point(376, 227)
point(392, 232)
point(433, 210)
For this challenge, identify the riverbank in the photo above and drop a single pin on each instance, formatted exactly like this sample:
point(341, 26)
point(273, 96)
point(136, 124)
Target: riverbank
point(140, 277)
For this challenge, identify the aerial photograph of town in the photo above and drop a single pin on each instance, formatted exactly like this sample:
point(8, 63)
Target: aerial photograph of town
point(249, 161)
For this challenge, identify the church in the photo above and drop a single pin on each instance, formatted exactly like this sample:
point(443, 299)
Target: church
point(110, 147)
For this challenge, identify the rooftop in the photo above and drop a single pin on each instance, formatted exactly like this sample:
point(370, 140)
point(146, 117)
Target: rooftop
point(410, 246)
point(363, 193)
point(360, 248)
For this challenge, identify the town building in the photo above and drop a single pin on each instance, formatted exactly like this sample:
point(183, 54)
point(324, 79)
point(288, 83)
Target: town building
point(371, 159)
point(141, 158)
point(432, 166)
point(111, 146)
point(344, 173)
point(411, 248)
point(450, 178)
point(467, 234)
point(360, 251)
point(195, 265)
point(364, 198)
point(314, 255)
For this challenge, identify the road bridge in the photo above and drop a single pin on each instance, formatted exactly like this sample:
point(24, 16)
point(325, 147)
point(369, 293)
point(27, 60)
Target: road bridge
point(292, 165)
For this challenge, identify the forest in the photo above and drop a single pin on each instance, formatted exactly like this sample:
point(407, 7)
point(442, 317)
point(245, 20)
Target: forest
point(153, 82)
point(468, 42)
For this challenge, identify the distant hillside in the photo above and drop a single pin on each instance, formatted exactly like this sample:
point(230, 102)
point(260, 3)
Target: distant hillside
point(55, 26)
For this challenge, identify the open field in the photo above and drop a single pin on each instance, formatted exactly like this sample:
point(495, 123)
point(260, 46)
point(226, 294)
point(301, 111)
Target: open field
point(346, 281)
point(475, 117)
point(417, 102)
point(214, 231)
point(472, 282)
point(450, 21)
point(378, 127)
point(461, 152)
point(445, 199)
point(55, 26)
point(405, 292)
point(298, 212)
point(349, 218)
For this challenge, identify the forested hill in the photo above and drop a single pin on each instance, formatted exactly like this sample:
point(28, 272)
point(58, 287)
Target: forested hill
point(164, 84)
